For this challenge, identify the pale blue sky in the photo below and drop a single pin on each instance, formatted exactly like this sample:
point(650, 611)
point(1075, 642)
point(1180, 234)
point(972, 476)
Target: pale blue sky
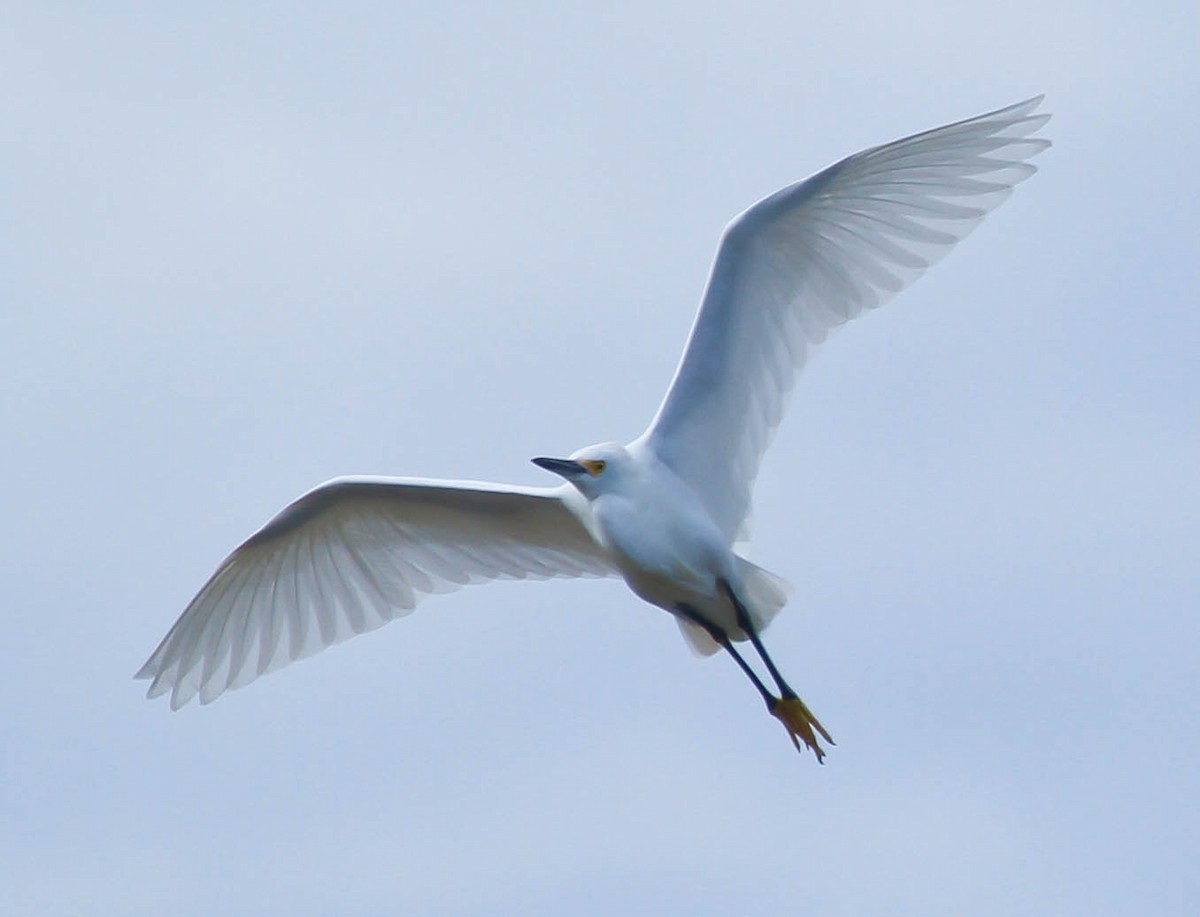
point(247, 247)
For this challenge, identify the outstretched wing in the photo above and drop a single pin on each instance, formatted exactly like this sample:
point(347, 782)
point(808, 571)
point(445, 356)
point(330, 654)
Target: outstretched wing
point(809, 258)
point(352, 555)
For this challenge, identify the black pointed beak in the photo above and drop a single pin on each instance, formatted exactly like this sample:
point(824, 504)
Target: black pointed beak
point(564, 467)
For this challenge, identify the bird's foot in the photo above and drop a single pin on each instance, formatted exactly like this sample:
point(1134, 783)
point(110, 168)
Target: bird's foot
point(800, 724)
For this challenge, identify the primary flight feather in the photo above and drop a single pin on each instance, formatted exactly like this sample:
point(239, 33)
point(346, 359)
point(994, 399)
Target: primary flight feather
point(663, 511)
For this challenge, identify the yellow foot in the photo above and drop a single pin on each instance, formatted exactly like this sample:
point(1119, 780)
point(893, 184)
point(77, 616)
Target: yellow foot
point(798, 720)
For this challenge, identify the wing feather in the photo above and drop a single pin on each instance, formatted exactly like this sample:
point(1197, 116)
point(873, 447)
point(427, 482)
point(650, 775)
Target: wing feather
point(808, 259)
point(352, 555)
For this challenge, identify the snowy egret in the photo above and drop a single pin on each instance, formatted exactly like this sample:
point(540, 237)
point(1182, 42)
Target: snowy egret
point(665, 511)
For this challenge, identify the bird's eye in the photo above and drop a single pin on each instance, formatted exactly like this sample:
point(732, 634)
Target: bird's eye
point(595, 467)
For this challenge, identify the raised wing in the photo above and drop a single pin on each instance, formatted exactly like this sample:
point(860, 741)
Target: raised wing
point(809, 258)
point(352, 555)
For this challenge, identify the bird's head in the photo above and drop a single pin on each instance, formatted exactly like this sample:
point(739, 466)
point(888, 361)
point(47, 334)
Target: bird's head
point(594, 469)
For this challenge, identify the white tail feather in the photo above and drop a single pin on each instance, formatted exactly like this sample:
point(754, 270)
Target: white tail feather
point(765, 595)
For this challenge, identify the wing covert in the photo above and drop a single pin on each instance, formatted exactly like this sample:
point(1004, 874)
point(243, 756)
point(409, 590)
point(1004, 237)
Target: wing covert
point(351, 555)
point(809, 258)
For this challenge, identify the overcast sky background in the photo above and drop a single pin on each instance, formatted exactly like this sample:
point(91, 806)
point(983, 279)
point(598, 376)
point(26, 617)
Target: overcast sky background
point(247, 247)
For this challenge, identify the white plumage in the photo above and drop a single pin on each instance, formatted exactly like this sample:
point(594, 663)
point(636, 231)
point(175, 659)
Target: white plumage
point(352, 555)
point(664, 511)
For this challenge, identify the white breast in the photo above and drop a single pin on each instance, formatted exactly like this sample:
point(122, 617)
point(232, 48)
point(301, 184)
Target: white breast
point(665, 543)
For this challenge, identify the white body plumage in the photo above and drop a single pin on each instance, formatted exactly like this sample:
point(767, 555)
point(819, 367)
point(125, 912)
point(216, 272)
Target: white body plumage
point(664, 542)
point(663, 512)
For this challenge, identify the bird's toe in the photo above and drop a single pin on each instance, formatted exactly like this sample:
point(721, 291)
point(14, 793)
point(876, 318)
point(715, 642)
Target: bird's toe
point(801, 725)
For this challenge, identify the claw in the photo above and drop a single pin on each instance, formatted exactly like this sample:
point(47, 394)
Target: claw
point(800, 724)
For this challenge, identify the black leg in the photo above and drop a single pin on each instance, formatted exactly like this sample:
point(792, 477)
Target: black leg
point(788, 699)
point(723, 640)
point(747, 625)
point(796, 718)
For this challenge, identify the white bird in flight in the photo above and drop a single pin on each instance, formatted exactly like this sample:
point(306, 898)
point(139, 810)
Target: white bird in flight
point(665, 511)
